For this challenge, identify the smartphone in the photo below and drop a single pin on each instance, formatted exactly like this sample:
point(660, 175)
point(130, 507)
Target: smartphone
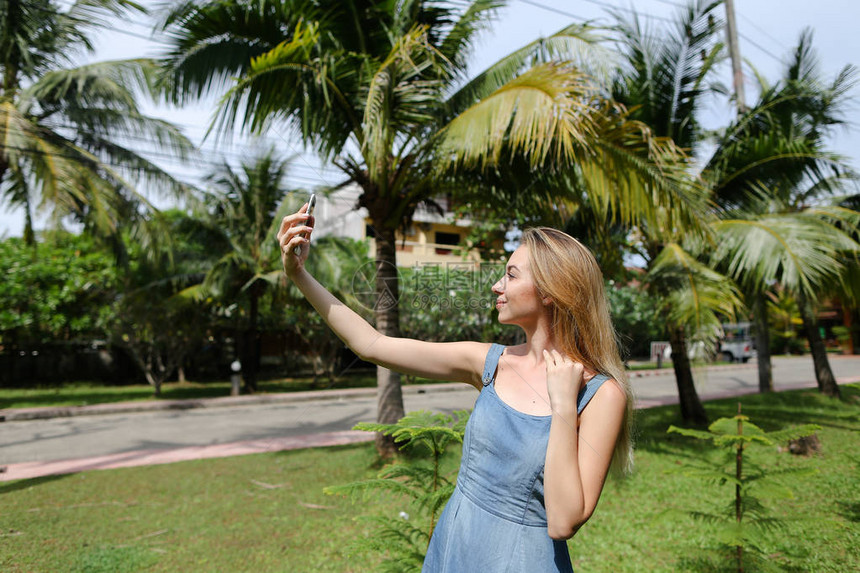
point(312, 202)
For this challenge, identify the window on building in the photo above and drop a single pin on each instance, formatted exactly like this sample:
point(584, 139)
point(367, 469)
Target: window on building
point(443, 238)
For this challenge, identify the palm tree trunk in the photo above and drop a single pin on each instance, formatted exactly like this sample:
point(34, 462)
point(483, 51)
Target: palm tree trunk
point(762, 343)
point(691, 407)
point(149, 364)
point(12, 56)
point(388, 391)
point(251, 349)
point(823, 374)
point(847, 322)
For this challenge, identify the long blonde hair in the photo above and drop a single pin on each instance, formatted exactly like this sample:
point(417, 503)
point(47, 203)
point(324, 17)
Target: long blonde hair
point(565, 271)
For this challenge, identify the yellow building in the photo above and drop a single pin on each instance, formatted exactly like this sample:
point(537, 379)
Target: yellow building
point(430, 239)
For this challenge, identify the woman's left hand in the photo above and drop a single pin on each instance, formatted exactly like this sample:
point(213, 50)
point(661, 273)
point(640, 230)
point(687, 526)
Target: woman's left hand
point(564, 377)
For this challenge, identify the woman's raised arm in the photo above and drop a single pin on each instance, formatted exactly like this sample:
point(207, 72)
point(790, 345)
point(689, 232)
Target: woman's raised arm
point(455, 361)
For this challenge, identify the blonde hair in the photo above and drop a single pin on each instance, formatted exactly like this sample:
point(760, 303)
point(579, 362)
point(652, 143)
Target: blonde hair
point(565, 271)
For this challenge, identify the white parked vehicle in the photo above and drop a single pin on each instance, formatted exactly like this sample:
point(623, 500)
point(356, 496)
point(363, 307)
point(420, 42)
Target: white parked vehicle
point(737, 343)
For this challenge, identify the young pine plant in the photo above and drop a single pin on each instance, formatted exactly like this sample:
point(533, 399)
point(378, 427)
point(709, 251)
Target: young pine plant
point(416, 481)
point(740, 526)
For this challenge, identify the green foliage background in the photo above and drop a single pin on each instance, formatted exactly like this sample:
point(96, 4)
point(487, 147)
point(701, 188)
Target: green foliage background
point(56, 290)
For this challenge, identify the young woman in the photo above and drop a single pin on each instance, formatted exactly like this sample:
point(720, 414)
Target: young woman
point(534, 457)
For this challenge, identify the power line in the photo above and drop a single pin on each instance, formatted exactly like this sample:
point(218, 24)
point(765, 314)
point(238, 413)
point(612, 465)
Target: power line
point(290, 176)
point(296, 178)
point(761, 48)
point(221, 153)
point(556, 10)
point(761, 30)
point(646, 15)
point(629, 10)
point(102, 26)
point(300, 178)
point(670, 3)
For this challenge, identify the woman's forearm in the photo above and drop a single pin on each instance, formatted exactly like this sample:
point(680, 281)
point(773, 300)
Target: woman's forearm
point(563, 487)
point(348, 325)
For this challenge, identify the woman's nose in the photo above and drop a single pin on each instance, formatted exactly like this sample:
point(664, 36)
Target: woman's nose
point(499, 287)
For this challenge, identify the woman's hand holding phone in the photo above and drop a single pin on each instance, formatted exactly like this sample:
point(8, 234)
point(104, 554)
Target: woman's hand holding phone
point(312, 202)
point(294, 238)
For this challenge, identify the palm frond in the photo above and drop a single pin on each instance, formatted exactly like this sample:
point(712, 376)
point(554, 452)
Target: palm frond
point(577, 43)
point(291, 84)
point(455, 47)
point(543, 114)
point(401, 97)
point(664, 74)
point(695, 295)
point(800, 250)
point(635, 176)
point(211, 43)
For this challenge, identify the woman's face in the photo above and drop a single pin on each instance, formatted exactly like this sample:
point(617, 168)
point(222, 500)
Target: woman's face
point(518, 301)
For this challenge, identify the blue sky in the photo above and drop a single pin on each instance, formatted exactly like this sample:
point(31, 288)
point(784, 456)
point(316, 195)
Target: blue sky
point(769, 29)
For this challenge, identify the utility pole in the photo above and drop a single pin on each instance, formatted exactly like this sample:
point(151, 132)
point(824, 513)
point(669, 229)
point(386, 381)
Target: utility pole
point(735, 54)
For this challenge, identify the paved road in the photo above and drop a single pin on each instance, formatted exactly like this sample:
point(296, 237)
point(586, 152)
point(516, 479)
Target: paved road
point(267, 425)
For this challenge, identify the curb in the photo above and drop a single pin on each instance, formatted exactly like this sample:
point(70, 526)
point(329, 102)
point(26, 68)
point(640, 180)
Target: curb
point(48, 412)
point(665, 371)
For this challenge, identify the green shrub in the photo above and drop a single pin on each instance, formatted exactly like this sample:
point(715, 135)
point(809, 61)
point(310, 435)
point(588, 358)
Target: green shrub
point(417, 477)
point(738, 527)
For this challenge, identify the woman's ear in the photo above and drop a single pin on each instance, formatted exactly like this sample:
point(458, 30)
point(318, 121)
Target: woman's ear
point(546, 301)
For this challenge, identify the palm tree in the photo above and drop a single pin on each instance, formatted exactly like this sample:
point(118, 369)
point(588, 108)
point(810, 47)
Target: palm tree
point(68, 134)
point(772, 175)
point(380, 89)
point(801, 251)
point(695, 300)
point(663, 79)
point(245, 205)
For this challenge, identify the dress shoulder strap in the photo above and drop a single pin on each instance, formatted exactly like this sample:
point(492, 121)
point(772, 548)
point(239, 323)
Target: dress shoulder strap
point(589, 390)
point(491, 363)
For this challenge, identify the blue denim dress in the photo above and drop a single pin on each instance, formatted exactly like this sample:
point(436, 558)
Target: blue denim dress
point(496, 519)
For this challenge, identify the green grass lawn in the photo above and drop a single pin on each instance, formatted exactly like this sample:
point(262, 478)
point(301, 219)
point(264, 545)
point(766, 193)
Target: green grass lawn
point(267, 512)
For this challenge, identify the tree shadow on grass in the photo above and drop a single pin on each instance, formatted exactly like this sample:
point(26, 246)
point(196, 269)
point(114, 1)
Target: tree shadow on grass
point(850, 510)
point(714, 561)
point(773, 411)
point(777, 410)
point(650, 433)
point(20, 484)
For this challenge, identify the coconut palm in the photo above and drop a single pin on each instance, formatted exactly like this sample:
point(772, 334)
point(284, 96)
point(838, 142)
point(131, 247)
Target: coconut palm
point(244, 205)
point(68, 134)
point(800, 250)
point(380, 89)
point(777, 183)
point(695, 300)
point(663, 78)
